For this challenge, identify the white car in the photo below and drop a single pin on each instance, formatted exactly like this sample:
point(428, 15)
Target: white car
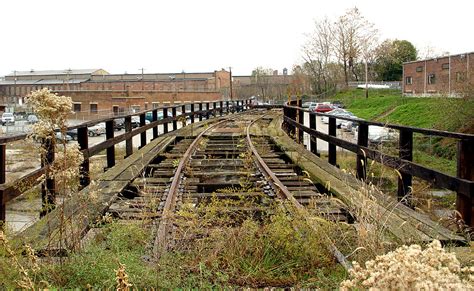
point(325, 119)
point(378, 134)
point(97, 129)
point(8, 117)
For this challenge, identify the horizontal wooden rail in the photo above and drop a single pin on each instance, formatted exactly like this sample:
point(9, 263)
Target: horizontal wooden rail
point(463, 183)
point(463, 186)
point(11, 190)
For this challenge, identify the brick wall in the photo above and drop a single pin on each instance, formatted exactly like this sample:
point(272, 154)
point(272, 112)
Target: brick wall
point(449, 75)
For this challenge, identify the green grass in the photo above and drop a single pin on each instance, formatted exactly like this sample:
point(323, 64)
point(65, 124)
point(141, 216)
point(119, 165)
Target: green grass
point(451, 114)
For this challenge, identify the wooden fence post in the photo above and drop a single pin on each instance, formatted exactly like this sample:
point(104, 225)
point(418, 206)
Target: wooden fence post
point(175, 122)
point(465, 170)
point(313, 140)
point(48, 188)
point(183, 112)
point(143, 134)
point(109, 134)
point(227, 106)
point(192, 112)
point(361, 162)
point(405, 152)
point(300, 121)
point(83, 140)
point(165, 115)
point(3, 156)
point(221, 111)
point(154, 117)
point(128, 141)
point(200, 111)
point(332, 147)
point(207, 110)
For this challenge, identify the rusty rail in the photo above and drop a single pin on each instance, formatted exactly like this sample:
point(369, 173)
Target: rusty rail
point(161, 234)
point(9, 191)
point(285, 194)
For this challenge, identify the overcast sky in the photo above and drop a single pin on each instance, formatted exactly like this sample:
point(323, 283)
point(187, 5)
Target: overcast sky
point(204, 35)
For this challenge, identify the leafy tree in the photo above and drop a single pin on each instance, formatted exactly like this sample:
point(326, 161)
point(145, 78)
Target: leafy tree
point(391, 54)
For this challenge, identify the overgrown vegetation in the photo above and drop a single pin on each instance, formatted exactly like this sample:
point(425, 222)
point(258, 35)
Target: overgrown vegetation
point(388, 105)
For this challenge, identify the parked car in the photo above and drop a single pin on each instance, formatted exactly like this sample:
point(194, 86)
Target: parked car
point(149, 115)
point(323, 108)
point(97, 129)
point(8, 118)
point(309, 104)
point(348, 125)
point(338, 104)
point(72, 133)
point(136, 121)
point(32, 119)
point(119, 123)
point(63, 137)
point(378, 134)
point(337, 111)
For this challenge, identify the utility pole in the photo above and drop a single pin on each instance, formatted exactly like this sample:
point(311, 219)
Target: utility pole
point(142, 69)
point(230, 70)
point(184, 80)
point(14, 84)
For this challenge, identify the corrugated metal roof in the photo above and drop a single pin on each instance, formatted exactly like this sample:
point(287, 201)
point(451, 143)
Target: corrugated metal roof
point(19, 82)
point(73, 81)
point(53, 72)
point(42, 82)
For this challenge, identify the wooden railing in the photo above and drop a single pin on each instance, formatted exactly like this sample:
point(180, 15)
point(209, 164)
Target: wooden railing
point(11, 190)
point(462, 183)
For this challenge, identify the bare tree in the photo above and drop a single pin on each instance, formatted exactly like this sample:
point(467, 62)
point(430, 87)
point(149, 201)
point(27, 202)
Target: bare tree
point(348, 32)
point(317, 54)
point(368, 43)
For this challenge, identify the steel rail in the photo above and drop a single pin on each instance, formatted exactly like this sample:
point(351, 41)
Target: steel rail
point(285, 194)
point(160, 239)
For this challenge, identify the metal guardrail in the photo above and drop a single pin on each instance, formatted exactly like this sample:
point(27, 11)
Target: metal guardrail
point(9, 191)
point(463, 183)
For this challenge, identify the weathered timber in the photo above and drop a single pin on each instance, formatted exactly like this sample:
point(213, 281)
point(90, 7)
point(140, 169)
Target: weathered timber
point(400, 221)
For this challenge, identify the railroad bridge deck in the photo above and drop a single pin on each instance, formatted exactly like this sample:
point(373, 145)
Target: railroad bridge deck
point(249, 153)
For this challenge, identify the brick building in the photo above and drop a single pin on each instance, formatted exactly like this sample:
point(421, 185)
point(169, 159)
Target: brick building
point(273, 86)
point(96, 90)
point(448, 75)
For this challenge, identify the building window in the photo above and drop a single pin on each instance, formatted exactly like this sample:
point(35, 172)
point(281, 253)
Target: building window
point(419, 69)
point(408, 80)
point(93, 108)
point(431, 79)
point(115, 109)
point(460, 77)
point(445, 66)
point(155, 105)
point(135, 108)
point(76, 107)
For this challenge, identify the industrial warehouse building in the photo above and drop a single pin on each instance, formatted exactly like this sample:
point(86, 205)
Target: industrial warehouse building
point(96, 90)
point(444, 76)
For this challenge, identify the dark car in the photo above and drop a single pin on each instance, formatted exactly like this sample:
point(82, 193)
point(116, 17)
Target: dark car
point(72, 133)
point(119, 123)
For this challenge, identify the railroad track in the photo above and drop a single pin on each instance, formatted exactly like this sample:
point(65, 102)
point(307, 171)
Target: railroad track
point(223, 162)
